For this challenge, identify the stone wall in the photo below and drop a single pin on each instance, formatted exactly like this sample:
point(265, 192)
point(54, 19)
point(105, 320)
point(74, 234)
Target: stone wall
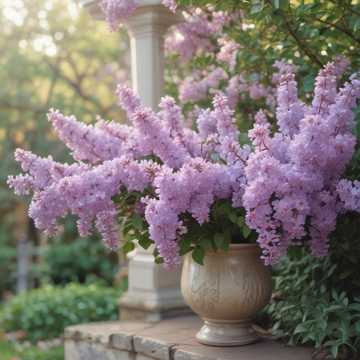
point(172, 339)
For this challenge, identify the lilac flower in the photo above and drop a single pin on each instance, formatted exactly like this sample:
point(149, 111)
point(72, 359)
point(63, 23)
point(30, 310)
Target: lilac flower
point(116, 11)
point(171, 4)
point(192, 90)
point(290, 182)
point(228, 52)
point(293, 190)
point(193, 36)
point(290, 109)
point(88, 143)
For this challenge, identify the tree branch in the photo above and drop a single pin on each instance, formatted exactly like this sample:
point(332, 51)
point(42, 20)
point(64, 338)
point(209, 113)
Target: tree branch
point(76, 87)
point(339, 28)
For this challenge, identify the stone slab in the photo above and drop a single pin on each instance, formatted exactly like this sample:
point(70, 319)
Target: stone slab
point(172, 339)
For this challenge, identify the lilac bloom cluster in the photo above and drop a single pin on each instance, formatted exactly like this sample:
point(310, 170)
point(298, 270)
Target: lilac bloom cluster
point(195, 88)
point(289, 182)
point(117, 11)
point(110, 158)
point(294, 190)
point(228, 52)
point(203, 33)
point(194, 36)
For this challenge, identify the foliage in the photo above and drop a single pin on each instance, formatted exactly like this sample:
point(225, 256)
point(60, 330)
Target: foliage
point(307, 34)
point(226, 225)
point(310, 33)
point(53, 54)
point(11, 351)
point(81, 260)
point(318, 301)
point(7, 258)
point(45, 312)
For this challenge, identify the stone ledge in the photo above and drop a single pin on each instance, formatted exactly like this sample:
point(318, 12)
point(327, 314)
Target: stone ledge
point(172, 339)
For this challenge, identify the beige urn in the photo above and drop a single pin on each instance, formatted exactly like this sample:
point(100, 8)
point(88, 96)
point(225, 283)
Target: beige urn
point(226, 292)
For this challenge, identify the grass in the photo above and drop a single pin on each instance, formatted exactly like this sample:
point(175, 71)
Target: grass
point(9, 352)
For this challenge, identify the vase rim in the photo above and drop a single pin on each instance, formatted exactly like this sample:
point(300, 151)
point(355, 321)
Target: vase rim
point(243, 246)
point(235, 248)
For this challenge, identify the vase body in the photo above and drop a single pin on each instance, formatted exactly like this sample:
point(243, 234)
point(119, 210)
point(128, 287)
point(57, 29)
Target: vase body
point(227, 292)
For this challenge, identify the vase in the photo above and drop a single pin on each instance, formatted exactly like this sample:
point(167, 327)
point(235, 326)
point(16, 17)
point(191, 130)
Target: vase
point(227, 292)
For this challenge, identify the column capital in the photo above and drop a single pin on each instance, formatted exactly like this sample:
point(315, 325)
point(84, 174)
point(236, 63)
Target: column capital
point(148, 12)
point(152, 17)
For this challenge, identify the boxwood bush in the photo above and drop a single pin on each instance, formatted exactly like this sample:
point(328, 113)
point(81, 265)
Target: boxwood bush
point(45, 312)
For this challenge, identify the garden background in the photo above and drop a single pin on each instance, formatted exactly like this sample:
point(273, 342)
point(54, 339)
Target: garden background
point(54, 56)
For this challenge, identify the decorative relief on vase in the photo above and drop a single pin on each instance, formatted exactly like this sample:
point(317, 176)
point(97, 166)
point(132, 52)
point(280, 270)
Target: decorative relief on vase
point(227, 292)
point(205, 288)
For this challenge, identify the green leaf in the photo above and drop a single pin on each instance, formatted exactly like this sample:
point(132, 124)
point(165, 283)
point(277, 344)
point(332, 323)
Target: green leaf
point(280, 4)
point(198, 255)
point(185, 246)
point(308, 83)
point(256, 6)
point(334, 351)
point(300, 329)
point(241, 221)
point(218, 240)
point(357, 327)
point(128, 247)
point(137, 222)
point(206, 243)
point(144, 242)
point(233, 217)
point(246, 231)
point(159, 260)
point(222, 240)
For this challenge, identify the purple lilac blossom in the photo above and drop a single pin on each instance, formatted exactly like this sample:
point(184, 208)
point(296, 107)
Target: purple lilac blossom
point(290, 182)
point(117, 11)
point(187, 179)
point(294, 190)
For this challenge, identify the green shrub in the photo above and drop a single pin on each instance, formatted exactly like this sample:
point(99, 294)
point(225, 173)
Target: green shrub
point(56, 353)
point(44, 313)
point(11, 351)
point(78, 261)
point(308, 309)
point(317, 301)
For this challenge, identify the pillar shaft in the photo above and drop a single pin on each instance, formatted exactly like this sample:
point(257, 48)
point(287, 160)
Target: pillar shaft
point(154, 293)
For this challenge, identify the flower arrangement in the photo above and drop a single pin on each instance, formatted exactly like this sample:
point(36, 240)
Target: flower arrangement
point(195, 190)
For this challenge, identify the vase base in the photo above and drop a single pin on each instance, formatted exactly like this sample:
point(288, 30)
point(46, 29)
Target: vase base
point(226, 334)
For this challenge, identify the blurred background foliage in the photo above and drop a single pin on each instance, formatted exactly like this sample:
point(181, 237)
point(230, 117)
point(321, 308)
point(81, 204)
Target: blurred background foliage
point(52, 55)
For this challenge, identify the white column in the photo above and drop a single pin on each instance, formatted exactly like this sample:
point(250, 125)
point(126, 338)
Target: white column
point(147, 28)
point(154, 293)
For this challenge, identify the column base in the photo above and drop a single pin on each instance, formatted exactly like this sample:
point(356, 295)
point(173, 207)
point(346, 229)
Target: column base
point(154, 293)
point(131, 308)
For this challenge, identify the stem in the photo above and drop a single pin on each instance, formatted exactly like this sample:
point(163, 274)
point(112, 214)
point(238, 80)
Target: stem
point(302, 45)
point(339, 28)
